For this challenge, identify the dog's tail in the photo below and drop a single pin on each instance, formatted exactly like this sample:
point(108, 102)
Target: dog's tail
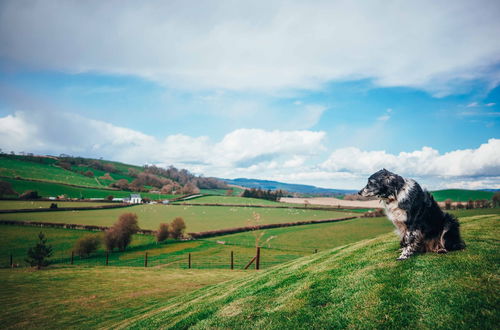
point(452, 239)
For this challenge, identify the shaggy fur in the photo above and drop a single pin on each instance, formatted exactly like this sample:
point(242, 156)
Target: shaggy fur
point(420, 222)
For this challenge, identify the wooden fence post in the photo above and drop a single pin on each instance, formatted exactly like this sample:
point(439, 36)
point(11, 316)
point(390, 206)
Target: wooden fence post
point(232, 260)
point(248, 265)
point(315, 250)
point(257, 260)
point(107, 257)
point(72, 256)
point(189, 260)
point(146, 260)
point(11, 261)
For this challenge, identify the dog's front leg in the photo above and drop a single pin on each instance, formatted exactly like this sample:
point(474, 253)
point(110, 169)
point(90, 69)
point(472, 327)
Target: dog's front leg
point(412, 240)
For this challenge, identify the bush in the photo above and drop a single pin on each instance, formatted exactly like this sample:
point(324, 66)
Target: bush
point(120, 234)
point(87, 244)
point(496, 199)
point(29, 194)
point(53, 205)
point(39, 254)
point(110, 197)
point(177, 228)
point(447, 204)
point(89, 173)
point(163, 232)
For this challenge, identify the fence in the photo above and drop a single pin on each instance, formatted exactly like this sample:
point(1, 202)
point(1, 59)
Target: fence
point(225, 257)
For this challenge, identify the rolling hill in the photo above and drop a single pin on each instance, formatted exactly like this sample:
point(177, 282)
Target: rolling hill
point(360, 285)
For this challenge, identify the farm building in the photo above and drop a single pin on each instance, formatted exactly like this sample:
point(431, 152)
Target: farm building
point(133, 199)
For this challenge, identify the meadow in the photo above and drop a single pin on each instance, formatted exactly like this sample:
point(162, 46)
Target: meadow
point(359, 285)
point(48, 189)
point(13, 168)
point(197, 218)
point(461, 195)
point(17, 204)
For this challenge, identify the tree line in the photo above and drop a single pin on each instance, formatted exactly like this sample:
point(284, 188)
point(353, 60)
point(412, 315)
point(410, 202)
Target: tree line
point(264, 194)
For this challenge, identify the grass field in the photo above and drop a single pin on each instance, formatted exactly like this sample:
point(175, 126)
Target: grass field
point(197, 218)
point(289, 243)
point(13, 168)
point(92, 297)
point(16, 205)
point(47, 189)
point(461, 195)
point(360, 285)
point(235, 200)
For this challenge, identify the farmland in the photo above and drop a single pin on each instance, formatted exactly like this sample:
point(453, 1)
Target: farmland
point(461, 195)
point(347, 273)
point(197, 218)
point(358, 285)
point(13, 205)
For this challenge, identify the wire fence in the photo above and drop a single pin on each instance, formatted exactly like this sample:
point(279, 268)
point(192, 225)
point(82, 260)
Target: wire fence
point(210, 256)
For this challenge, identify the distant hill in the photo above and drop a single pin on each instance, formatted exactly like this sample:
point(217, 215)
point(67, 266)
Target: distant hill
point(293, 188)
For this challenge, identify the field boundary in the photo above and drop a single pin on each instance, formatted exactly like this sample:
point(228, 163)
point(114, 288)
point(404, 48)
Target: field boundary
point(198, 235)
point(84, 208)
point(276, 206)
point(61, 183)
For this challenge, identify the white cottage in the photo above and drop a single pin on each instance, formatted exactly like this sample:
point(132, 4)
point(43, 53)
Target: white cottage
point(134, 199)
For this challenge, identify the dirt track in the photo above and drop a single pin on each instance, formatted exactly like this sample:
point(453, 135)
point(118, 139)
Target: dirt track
point(330, 201)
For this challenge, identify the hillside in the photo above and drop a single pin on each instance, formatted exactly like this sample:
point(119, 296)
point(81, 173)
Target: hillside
point(360, 285)
point(293, 188)
point(79, 177)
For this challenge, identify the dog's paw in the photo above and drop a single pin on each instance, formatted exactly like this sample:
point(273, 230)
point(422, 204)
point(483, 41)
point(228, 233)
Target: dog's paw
point(442, 251)
point(401, 258)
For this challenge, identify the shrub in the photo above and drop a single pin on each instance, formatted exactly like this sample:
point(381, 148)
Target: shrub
point(163, 232)
point(39, 254)
point(29, 194)
point(496, 199)
point(110, 197)
point(120, 234)
point(177, 228)
point(53, 205)
point(447, 204)
point(89, 173)
point(87, 244)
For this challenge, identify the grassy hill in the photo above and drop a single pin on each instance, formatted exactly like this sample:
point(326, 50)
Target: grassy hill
point(461, 195)
point(360, 285)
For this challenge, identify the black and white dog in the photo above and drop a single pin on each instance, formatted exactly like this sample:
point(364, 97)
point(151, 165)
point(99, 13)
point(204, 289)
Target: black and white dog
point(420, 222)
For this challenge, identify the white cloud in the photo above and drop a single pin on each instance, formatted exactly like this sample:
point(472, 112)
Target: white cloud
point(483, 161)
point(490, 104)
point(260, 45)
point(472, 105)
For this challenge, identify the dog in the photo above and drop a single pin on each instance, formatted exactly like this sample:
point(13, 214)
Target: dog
point(420, 223)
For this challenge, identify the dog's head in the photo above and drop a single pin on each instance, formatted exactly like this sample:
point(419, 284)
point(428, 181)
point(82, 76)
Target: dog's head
point(382, 184)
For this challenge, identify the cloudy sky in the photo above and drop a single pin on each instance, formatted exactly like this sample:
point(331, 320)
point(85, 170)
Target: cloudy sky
point(314, 92)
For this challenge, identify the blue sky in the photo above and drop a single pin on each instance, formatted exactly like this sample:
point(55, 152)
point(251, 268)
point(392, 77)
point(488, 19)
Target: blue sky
point(320, 93)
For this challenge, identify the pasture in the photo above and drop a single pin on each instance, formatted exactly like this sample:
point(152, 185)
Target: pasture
point(68, 297)
point(47, 189)
point(197, 218)
point(17, 204)
point(359, 285)
point(13, 168)
point(461, 195)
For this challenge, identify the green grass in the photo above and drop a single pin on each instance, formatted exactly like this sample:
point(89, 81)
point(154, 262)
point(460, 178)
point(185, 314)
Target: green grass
point(16, 240)
point(310, 237)
point(16, 205)
point(234, 200)
point(13, 168)
point(461, 195)
point(92, 297)
point(360, 285)
point(48, 189)
point(197, 218)
point(289, 243)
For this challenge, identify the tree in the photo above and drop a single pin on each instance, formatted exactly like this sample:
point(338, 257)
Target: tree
point(121, 184)
point(120, 234)
point(39, 254)
point(110, 197)
point(6, 189)
point(177, 228)
point(190, 188)
point(87, 244)
point(447, 204)
point(496, 199)
point(163, 232)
